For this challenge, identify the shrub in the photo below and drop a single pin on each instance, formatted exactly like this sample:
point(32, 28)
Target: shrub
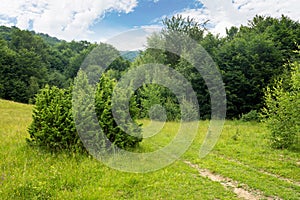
point(253, 115)
point(127, 135)
point(282, 112)
point(53, 125)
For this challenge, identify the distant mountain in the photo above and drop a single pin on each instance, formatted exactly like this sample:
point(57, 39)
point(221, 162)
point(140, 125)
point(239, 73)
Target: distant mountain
point(130, 55)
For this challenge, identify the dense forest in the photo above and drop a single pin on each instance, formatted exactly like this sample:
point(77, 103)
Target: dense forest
point(250, 58)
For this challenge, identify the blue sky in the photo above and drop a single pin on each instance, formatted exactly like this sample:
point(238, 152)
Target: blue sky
point(146, 13)
point(149, 12)
point(98, 20)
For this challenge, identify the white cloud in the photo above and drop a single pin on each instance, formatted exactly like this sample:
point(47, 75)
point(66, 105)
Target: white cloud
point(6, 22)
point(129, 40)
point(152, 28)
point(200, 15)
point(270, 7)
point(134, 39)
point(226, 13)
point(61, 18)
point(71, 19)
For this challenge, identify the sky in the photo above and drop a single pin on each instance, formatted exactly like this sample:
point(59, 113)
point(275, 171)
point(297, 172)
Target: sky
point(99, 20)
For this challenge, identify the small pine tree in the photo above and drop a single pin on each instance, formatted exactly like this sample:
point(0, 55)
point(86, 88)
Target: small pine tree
point(126, 134)
point(54, 118)
point(53, 125)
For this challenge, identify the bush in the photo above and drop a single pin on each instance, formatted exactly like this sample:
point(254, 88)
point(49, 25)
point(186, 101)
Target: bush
point(253, 115)
point(282, 112)
point(53, 124)
point(116, 134)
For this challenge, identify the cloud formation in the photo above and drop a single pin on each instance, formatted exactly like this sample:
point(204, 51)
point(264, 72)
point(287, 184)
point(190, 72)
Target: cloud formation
point(74, 19)
point(226, 13)
point(61, 18)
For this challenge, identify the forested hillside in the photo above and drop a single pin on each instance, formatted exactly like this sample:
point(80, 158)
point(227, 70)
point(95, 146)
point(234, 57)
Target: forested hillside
point(249, 57)
point(29, 61)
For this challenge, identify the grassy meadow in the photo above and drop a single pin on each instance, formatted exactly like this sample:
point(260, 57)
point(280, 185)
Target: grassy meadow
point(241, 157)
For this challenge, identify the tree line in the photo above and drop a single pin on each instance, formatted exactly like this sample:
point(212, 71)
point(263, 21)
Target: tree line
point(249, 57)
point(29, 61)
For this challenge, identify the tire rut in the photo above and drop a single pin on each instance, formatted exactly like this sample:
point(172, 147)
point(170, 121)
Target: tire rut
point(241, 190)
point(297, 183)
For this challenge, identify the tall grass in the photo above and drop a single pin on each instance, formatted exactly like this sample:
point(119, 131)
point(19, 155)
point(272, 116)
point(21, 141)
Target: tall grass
point(242, 153)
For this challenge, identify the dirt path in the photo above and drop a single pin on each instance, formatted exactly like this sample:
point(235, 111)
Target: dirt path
point(297, 183)
point(242, 191)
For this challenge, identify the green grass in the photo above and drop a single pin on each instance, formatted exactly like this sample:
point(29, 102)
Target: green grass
point(242, 153)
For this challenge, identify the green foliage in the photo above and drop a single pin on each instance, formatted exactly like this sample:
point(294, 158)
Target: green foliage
point(282, 112)
point(249, 63)
point(252, 116)
point(48, 39)
point(168, 39)
point(249, 58)
point(29, 61)
point(126, 134)
point(284, 32)
point(21, 73)
point(53, 126)
point(187, 25)
point(189, 112)
point(150, 95)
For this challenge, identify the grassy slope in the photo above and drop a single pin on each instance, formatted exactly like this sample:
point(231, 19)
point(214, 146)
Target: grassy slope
point(241, 154)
